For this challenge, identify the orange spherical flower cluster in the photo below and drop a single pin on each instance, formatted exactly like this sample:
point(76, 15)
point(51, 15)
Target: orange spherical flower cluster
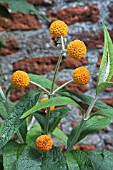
point(58, 28)
point(44, 109)
point(44, 143)
point(76, 49)
point(81, 76)
point(20, 79)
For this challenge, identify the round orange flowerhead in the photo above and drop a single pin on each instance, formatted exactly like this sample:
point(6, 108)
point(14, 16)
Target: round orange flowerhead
point(44, 109)
point(20, 79)
point(76, 49)
point(81, 76)
point(58, 28)
point(44, 143)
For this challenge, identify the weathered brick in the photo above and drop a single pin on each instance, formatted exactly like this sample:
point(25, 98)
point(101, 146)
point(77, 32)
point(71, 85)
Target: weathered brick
point(20, 21)
point(17, 93)
point(85, 148)
point(92, 39)
point(40, 2)
point(46, 64)
point(74, 124)
point(11, 47)
point(108, 101)
point(110, 19)
point(71, 15)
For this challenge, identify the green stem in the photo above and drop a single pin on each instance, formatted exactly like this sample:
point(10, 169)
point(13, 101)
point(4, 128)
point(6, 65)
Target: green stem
point(38, 85)
point(52, 86)
point(63, 85)
point(82, 123)
point(56, 71)
point(47, 121)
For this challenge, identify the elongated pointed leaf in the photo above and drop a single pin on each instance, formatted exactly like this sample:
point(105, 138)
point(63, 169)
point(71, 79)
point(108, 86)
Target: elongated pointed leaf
point(102, 86)
point(3, 112)
point(104, 112)
point(32, 135)
point(102, 160)
point(55, 101)
point(78, 160)
point(32, 159)
point(29, 160)
point(24, 7)
point(13, 122)
point(60, 135)
point(10, 155)
point(92, 125)
point(106, 67)
point(85, 98)
point(55, 117)
point(44, 82)
point(53, 159)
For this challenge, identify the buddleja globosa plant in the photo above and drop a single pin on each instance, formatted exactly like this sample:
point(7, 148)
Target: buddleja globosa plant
point(34, 148)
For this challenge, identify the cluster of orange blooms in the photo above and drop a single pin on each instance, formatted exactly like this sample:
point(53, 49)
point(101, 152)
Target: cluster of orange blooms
point(81, 76)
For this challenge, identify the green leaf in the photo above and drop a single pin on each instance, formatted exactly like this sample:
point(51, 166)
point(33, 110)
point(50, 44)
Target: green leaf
point(24, 7)
point(32, 159)
point(56, 116)
point(9, 88)
point(106, 67)
point(78, 160)
point(4, 12)
point(102, 160)
point(32, 135)
point(10, 155)
point(85, 98)
point(60, 135)
point(2, 43)
point(23, 130)
point(13, 122)
point(55, 101)
point(44, 82)
point(102, 86)
point(92, 125)
point(53, 159)
point(29, 160)
point(104, 112)
point(3, 112)
point(71, 161)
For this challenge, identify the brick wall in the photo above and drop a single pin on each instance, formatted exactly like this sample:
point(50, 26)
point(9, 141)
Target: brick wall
point(28, 40)
point(29, 49)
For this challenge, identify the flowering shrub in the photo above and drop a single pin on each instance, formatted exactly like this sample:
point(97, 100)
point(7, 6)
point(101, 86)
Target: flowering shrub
point(34, 145)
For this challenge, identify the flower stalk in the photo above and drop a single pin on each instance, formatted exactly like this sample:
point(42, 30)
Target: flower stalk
point(81, 126)
point(52, 86)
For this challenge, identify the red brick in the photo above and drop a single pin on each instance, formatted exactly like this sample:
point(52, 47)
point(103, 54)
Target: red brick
point(74, 124)
point(110, 19)
point(71, 15)
point(17, 93)
point(19, 22)
point(40, 2)
point(108, 101)
point(11, 47)
point(46, 64)
point(85, 148)
point(92, 40)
